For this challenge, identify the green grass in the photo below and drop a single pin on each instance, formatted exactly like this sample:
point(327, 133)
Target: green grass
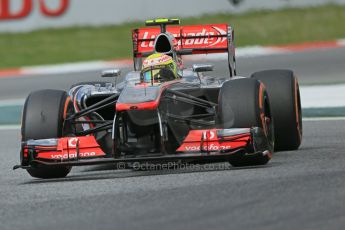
point(113, 42)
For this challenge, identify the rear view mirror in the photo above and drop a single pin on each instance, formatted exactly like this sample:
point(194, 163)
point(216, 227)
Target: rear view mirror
point(111, 73)
point(202, 68)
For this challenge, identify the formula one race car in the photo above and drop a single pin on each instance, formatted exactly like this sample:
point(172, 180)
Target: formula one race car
point(162, 112)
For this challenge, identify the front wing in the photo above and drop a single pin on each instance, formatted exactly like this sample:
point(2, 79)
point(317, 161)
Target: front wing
point(214, 145)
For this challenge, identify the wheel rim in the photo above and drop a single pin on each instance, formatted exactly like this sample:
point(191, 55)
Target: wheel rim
point(267, 121)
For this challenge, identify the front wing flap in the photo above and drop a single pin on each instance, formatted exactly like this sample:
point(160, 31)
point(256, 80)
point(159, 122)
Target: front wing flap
point(62, 149)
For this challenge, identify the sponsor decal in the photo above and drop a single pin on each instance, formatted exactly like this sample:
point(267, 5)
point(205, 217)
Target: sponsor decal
point(207, 140)
point(27, 7)
point(219, 39)
point(147, 36)
point(66, 148)
point(209, 135)
point(210, 147)
point(72, 142)
point(72, 155)
point(156, 61)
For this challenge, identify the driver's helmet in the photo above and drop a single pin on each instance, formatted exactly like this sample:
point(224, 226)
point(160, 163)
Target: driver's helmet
point(158, 68)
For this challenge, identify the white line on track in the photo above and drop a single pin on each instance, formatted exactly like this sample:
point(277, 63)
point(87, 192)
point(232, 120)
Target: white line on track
point(12, 102)
point(68, 68)
point(323, 96)
point(9, 127)
point(324, 119)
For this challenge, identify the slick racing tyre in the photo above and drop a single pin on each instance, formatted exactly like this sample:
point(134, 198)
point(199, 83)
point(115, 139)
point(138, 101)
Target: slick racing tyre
point(283, 90)
point(43, 118)
point(244, 103)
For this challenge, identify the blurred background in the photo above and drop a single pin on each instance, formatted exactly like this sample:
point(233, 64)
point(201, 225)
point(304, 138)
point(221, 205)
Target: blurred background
point(37, 32)
point(56, 43)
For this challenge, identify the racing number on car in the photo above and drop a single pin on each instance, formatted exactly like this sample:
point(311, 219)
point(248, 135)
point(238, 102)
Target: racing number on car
point(27, 8)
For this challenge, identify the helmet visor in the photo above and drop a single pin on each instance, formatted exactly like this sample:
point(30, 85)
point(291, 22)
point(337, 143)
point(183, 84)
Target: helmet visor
point(149, 75)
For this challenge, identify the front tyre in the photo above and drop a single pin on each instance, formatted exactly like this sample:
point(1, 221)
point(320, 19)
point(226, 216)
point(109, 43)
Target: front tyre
point(43, 117)
point(244, 103)
point(283, 90)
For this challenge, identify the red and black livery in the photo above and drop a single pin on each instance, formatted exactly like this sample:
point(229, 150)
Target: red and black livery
point(196, 118)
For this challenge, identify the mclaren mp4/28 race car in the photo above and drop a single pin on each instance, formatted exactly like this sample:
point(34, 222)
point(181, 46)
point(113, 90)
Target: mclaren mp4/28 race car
point(162, 112)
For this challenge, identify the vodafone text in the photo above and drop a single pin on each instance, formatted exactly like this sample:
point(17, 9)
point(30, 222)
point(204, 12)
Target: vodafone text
point(72, 155)
point(211, 147)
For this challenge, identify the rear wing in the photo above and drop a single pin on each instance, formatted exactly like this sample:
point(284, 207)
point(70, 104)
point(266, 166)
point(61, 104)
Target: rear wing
point(195, 39)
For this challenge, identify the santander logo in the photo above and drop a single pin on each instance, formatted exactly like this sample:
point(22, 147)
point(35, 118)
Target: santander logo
point(219, 39)
point(27, 6)
point(204, 37)
point(156, 61)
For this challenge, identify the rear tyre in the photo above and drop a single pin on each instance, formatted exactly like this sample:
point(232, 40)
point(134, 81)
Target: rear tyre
point(244, 103)
point(283, 90)
point(43, 117)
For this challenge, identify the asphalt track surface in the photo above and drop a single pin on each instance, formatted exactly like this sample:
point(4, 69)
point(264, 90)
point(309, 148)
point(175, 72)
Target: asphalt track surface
point(324, 66)
point(302, 189)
